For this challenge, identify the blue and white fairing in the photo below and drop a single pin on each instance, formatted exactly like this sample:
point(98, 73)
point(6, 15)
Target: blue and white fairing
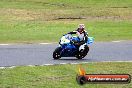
point(90, 40)
point(66, 39)
point(69, 49)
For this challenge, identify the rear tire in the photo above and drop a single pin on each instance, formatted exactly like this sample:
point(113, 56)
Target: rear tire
point(56, 53)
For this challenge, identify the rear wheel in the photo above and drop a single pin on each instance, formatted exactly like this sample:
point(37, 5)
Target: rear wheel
point(56, 53)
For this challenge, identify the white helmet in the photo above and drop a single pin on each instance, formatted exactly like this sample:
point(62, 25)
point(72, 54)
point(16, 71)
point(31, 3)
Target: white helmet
point(81, 26)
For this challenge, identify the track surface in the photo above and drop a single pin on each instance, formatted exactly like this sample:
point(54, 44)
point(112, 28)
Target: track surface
point(38, 54)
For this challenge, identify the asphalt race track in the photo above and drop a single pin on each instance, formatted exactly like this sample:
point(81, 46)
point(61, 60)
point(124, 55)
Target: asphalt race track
point(40, 54)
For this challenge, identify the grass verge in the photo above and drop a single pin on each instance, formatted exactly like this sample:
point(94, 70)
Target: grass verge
point(51, 31)
point(47, 20)
point(61, 76)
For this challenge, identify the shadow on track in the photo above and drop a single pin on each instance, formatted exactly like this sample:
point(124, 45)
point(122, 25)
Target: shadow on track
point(74, 59)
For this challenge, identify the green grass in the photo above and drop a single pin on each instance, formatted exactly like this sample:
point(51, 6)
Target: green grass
point(61, 76)
point(52, 31)
point(38, 20)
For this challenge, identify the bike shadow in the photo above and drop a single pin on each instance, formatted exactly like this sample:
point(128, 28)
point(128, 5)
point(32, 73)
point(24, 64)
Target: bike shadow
point(74, 59)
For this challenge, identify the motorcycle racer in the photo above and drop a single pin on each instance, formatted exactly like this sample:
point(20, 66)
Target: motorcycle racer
point(82, 35)
point(74, 46)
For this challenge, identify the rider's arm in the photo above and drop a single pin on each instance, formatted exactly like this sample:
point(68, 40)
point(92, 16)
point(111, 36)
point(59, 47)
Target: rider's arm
point(73, 32)
point(85, 37)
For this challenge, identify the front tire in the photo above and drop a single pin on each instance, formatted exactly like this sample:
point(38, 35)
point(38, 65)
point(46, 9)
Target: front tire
point(82, 53)
point(86, 50)
point(79, 56)
point(56, 53)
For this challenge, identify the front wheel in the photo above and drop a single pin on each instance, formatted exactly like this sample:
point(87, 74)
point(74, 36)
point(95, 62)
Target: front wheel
point(82, 53)
point(56, 53)
point(79, 56)
point(86, 50)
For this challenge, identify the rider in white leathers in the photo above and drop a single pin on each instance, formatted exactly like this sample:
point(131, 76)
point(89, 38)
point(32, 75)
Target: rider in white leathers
point(82, 35)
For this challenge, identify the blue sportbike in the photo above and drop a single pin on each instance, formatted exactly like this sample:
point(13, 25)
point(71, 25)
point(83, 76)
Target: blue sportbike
point(68, 47)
